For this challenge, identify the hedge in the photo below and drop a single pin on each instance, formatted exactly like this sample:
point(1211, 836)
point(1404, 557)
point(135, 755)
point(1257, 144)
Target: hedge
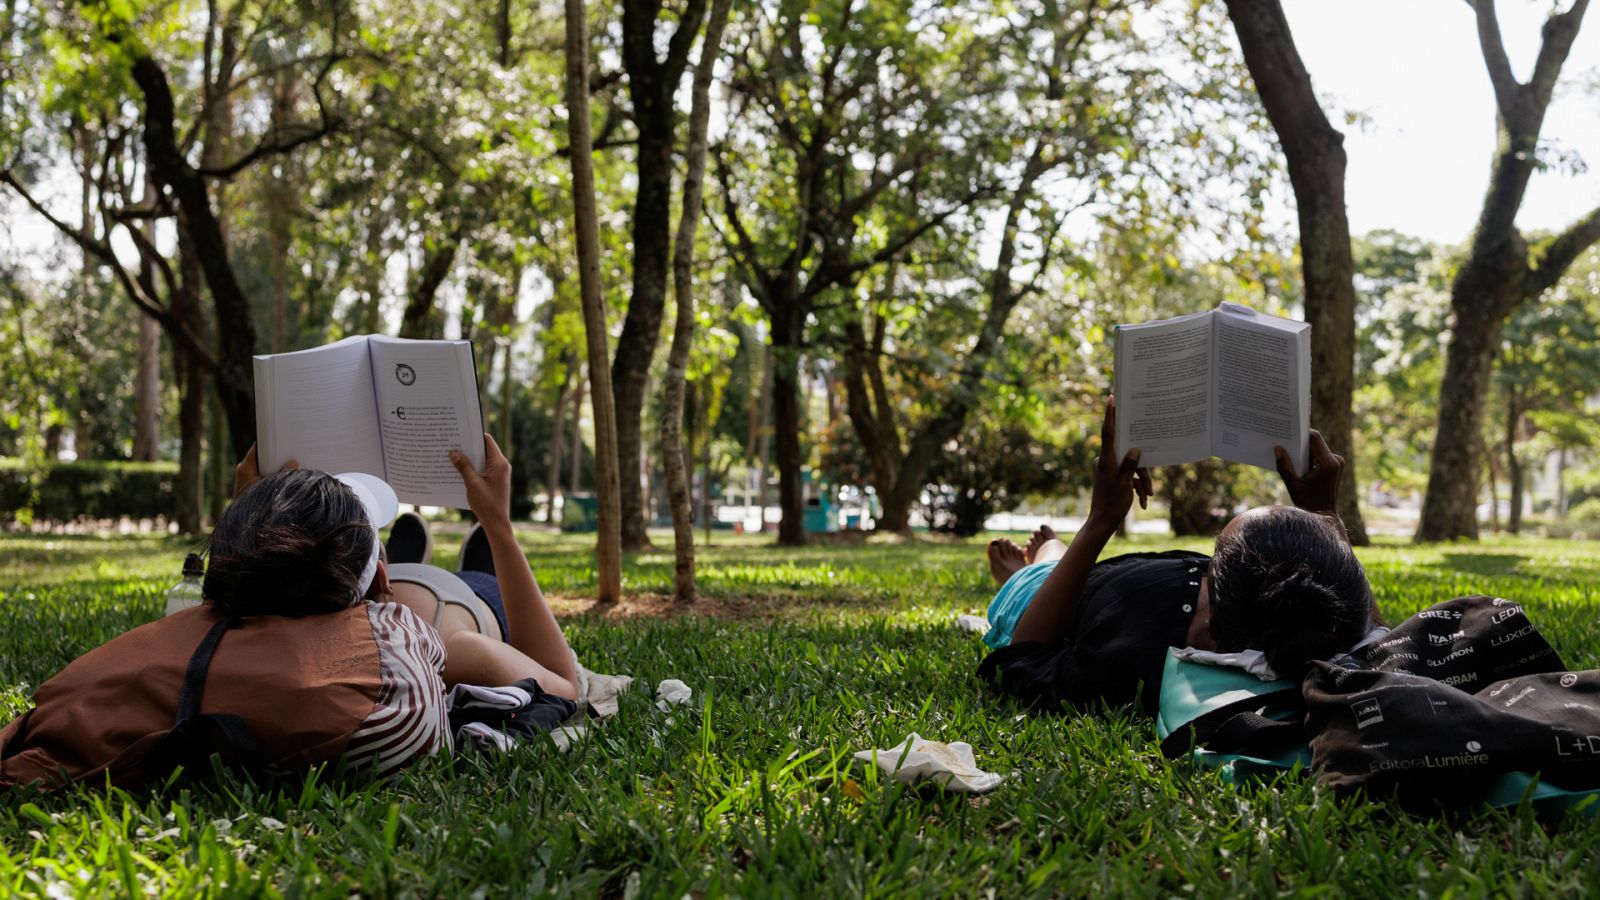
point(87, 489)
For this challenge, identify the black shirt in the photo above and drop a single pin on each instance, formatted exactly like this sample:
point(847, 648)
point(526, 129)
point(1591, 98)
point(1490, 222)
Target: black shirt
point(1133, 608)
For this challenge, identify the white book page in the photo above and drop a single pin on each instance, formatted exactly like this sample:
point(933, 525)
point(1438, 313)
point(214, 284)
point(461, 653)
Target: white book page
point(316, 407)
point(1263, 388)
point(427, 400)
point(1163, 389)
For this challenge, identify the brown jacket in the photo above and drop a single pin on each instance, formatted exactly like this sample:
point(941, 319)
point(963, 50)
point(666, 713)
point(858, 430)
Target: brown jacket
point(301, 686)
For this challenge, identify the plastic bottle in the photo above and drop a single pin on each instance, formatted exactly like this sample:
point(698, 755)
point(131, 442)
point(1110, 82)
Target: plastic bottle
point(187, 593)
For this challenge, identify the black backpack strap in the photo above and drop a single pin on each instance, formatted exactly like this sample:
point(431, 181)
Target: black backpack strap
point(1208, 727)
point(195, 736)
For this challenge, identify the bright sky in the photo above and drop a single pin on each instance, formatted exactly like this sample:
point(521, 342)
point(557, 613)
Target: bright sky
point(1412, 67)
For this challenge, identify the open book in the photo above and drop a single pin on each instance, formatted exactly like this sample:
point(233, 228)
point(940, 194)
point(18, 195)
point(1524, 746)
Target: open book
point(1228, 382)
point(389, 407)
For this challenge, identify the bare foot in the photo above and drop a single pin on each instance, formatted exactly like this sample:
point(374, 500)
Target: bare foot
point(1005, 558)
point(1044, 533)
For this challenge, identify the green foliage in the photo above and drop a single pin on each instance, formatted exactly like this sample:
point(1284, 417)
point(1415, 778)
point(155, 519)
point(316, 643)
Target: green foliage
point(751, 791)
point(86, 489)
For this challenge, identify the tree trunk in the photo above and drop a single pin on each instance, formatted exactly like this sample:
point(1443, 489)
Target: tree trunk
point(1449, 508)
point(147, 392)
point(1513, 464)
point(787, 332)
point(1499, 273)
point(280, 194)
point(652, 84)
point(193, 390)
point(421, 319)
point(574, 476)
point(764, 443)
point(1314, 150)
point(236, 331)
point(553, 475)
point(608, 546)
point(672, 451)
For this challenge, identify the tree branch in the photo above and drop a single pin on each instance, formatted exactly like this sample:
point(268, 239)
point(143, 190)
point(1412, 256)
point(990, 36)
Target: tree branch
point(1547, 265)
point(1507, 91)
point(102, 251)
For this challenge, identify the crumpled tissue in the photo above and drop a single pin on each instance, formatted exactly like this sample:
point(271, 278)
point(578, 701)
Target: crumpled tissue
point(672, 692)
point(974, 624)
point(950, 765)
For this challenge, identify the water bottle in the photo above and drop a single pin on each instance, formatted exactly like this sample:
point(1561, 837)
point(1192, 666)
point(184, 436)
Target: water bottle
point(186, 594)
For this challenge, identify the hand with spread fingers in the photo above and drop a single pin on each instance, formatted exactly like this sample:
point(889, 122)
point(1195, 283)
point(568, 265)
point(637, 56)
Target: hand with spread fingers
point(489, 491)
point(1318, 489)
point(1116, 480)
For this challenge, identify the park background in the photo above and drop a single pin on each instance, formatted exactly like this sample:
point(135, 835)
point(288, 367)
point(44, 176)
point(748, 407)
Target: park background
point(849, 281)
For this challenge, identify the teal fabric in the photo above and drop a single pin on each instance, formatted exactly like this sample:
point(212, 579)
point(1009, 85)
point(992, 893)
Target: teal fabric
point(1189, 690)
point(1012, 600)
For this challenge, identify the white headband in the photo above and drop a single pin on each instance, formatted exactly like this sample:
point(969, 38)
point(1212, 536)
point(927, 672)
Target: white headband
point(381, 505)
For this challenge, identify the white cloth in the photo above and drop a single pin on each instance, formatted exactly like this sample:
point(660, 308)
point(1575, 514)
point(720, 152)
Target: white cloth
point(950, 765)
point(974, 624)
point(1255, 662)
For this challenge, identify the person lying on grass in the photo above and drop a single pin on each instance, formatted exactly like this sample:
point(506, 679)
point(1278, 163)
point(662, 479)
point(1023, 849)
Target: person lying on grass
point(298, 655)
point(1066, 630)
point(522, 640)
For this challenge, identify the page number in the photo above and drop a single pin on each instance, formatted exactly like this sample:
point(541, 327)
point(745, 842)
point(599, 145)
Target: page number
point(405, 374)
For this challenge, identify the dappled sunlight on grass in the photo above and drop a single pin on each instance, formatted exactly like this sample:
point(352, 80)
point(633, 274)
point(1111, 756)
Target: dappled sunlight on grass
point(797, 659)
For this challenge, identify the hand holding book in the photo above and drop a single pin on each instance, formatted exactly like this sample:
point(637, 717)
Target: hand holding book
point(1318, 489)
point(1117, 480)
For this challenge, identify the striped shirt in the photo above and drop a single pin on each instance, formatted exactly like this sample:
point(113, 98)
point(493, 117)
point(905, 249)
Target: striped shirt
point(409, 721)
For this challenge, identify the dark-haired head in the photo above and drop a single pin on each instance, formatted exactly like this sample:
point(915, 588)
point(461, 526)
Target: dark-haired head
point(1285, 581)
point(294, 543)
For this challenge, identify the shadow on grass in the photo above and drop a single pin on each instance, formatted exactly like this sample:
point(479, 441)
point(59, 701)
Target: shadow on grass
point(1484, 563)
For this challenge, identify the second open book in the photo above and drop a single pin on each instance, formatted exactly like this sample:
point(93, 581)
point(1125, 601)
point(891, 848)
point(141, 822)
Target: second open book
point(1228, 382)
point(389, 407)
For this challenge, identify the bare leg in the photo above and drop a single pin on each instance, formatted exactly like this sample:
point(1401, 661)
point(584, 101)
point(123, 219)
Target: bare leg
point(1005, 558)
point(472, 658)
point(1044, 546)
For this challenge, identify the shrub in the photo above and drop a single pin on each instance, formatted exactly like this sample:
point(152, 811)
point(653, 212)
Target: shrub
point(86, 489)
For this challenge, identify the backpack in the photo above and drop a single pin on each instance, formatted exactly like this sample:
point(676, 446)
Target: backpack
point(1398, 718)
point(266, 692)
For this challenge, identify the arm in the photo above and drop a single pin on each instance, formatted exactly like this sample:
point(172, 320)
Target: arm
point(534, 629)
point(1115, 483)
point(1318, 489)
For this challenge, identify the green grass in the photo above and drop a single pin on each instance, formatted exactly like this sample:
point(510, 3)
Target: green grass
point(752, 790)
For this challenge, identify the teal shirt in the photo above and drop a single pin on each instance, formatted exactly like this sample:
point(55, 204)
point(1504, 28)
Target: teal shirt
point(1006, 609)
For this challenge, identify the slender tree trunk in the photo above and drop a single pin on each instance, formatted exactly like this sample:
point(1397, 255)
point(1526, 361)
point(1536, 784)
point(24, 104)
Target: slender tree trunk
point(1561, 482)
point(672, 454)
point(786, 420)
point(147, 392)
point(1494, 492)
point(1315, 153)
point(280, 194)
point(507, 398)
point(221, 458)
point(608, 547)
point(1514, 472)
point(764, 451)
point(553, 476)
point(574, 477)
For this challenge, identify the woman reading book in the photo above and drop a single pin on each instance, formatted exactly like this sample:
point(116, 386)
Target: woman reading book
point(1066, 630)
point(491, 616)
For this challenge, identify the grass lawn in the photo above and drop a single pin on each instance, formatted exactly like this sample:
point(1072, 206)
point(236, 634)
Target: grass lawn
point(797, 659)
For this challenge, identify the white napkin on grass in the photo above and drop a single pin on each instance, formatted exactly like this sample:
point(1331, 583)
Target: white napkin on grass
point(951, 765)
